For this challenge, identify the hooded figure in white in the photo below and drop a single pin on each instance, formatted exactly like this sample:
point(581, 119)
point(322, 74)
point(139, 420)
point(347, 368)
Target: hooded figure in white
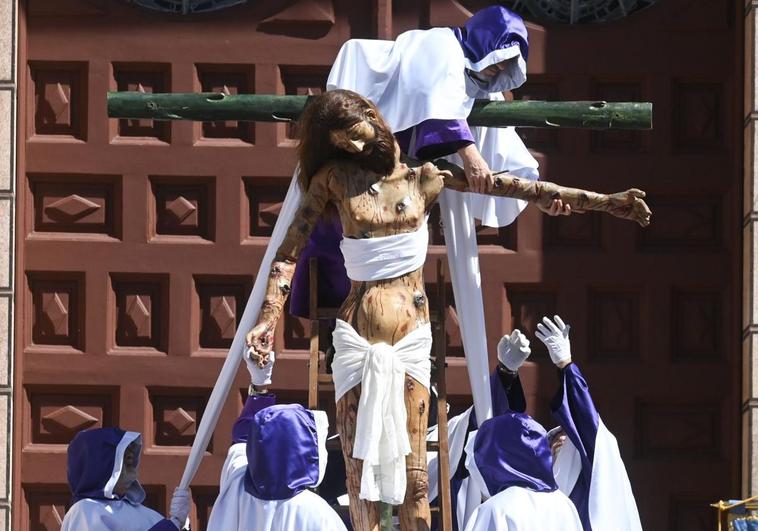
point(510, 462)
point(107, 496)
point(265, 481)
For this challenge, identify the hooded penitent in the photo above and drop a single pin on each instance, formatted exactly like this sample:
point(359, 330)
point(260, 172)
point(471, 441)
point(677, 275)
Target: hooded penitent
point(491, 36)
point(509, 460)
point(422, 75)
point(95, 463)
point(265, 481)
point(286, 452)
point(511, 450)
point(507, 395)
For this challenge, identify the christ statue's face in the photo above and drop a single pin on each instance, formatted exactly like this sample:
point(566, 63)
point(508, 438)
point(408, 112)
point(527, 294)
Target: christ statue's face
point(355, 138)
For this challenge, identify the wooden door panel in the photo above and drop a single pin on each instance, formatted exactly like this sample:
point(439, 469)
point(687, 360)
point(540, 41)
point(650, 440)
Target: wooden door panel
point(140, 240)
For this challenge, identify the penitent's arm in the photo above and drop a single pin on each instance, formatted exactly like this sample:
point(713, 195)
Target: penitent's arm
point(261, 337)
point(625, 205)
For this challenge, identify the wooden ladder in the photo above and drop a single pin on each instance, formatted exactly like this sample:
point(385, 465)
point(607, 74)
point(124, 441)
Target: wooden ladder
point(319, 379)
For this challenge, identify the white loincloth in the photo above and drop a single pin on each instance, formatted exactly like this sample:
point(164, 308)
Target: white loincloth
point(381, 436)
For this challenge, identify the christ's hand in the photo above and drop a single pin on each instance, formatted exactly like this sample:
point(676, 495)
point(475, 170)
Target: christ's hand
point(260, 341)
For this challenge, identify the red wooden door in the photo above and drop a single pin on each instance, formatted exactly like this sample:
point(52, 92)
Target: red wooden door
point(138, 241)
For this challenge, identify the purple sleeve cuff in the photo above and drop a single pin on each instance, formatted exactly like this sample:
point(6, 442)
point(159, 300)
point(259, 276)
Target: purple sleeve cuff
point(164, 525)
point(438, 138)
point(253, 405)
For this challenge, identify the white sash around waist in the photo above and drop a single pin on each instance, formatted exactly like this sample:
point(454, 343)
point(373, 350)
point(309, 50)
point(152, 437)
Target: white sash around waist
point(368, 259)
point(381, 435)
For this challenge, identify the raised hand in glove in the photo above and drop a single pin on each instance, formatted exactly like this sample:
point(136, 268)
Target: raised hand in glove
point(555, 336)
point(512, 350)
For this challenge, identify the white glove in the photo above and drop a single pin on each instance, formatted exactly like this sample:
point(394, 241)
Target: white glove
point(512, 350)
point(258, 375)
point(180, 507)
point(555, 336)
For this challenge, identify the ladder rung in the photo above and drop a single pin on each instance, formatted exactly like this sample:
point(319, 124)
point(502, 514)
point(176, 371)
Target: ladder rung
point(325, 378)
point(432, 446)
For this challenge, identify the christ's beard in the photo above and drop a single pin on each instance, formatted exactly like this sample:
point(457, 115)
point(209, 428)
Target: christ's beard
point(379, 155)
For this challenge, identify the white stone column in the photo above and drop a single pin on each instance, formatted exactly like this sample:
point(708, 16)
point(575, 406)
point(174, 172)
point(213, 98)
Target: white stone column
point(8, 95)
point(750, 262)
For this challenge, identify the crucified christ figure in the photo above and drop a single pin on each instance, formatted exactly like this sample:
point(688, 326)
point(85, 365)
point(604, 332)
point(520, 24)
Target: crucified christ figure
point(350, 167)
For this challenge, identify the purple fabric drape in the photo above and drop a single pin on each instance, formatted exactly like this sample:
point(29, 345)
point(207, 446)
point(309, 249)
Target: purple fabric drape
point(333, 284)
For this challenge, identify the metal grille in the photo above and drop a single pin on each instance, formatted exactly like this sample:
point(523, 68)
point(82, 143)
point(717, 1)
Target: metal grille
point(579, 11)
point(185, 7)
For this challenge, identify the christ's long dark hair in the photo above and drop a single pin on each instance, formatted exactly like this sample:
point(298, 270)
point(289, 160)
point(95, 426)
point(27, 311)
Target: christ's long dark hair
point(341, 109)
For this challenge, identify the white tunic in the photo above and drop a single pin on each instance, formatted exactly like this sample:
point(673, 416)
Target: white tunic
point(520, 509)
point(111, 515)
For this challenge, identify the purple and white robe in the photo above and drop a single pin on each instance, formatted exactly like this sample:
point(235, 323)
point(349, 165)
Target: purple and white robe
point(588, 467)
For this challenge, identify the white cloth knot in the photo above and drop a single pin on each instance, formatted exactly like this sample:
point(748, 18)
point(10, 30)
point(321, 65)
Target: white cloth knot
point(381, 435)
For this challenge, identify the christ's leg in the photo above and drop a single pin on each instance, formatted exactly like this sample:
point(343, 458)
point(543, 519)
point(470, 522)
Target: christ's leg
point(363, 514)
point(414, 513)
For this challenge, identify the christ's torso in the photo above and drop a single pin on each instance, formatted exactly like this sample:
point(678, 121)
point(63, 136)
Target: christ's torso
point(370, 206)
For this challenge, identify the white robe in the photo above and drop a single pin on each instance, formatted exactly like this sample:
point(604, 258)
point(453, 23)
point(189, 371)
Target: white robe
point(110, 515)
point(237, 510)
point(520, 509)
point(611, 500)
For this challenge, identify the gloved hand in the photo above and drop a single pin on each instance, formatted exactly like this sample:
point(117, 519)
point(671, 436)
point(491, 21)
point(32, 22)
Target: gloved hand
point(512, 350)
point(180, 507)
point(555, 336)
point(260, 375)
